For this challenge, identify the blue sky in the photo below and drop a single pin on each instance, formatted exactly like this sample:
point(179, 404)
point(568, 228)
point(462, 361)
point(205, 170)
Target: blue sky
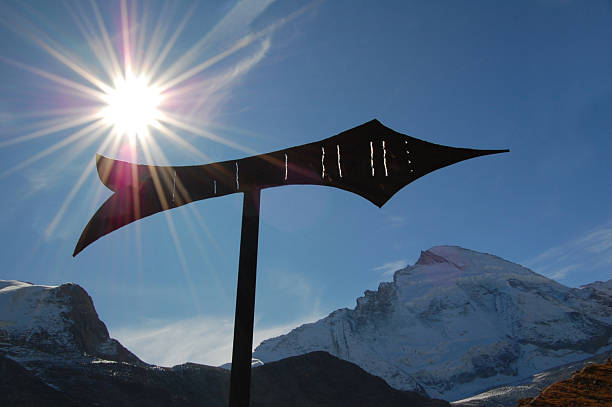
point(531, 76)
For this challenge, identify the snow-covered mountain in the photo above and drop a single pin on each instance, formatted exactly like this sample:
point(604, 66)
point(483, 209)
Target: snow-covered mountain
point(55, 352)
point(459, 322)
point(46, 322)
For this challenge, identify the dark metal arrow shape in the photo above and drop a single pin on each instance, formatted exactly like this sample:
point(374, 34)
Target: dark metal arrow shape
point(370, 160)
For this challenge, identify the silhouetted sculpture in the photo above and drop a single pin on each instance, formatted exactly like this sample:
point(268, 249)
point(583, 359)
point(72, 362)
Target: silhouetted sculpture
point(370, 160)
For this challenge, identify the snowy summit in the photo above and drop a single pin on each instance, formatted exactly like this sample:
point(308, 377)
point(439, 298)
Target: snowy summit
point(50, 322)
point(458, 322)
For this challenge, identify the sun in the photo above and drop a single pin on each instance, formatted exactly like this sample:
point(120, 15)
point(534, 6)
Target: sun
point(132, 106)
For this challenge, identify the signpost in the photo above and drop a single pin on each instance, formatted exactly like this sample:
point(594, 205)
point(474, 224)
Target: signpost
point(370, 160)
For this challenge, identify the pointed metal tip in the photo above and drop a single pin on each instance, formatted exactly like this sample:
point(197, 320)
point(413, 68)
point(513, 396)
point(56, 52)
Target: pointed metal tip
point(487, 152)
point(79, 246)
point(101, 158)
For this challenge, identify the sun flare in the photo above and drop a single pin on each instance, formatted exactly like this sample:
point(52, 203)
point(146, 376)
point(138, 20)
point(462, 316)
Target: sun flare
point(132, 106)
point(129, 92)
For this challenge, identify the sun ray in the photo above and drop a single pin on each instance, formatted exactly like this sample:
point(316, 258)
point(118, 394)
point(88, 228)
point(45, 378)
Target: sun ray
point(175, 238)
point(241, 15)
point(38, 123)
point(71, 64)
point(65, 93)
point(203, 249)
point(135, 195)
point(203, 89)
point(92, 130)
point(95, 94)
point(77, 186)
point(67, 124)
point(59, 114)
point(185, 59)
point(185, 144)
point(170, 43)
point(202, 92)
point(183, 194)
point(154, 176)
point(155, 39)
point(208, 63)
point(182, 260)
point(139, 257)
point(237, 46)
point(82, 143)
point(192, 211)
point(196, 215)
point(170, 119)
point(26, 29)
point(96, 45)
point(153, 153)
point(141, 35)
point(125, 36)
point(100, 187)
point(106, 39)
point(212, 124)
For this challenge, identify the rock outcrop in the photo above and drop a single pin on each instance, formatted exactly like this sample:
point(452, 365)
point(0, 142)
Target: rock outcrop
point(591, 386)
point(509, 395)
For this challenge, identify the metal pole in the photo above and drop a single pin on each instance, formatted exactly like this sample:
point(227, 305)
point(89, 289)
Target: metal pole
point(240, 381)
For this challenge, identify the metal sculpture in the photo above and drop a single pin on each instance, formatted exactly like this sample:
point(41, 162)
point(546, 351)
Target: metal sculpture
point(370, 160)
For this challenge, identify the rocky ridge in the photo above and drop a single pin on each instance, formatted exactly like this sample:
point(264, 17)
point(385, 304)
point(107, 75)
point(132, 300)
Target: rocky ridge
point(510, 394)
point(591, 386)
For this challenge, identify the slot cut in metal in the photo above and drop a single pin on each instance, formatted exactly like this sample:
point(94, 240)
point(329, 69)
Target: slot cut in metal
point(372, 157)
point(237, 182)
point(323, 162)
point(385, 158)
point(173, 186)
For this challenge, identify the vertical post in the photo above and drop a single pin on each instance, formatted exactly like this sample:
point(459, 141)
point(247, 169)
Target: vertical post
point(240, 380)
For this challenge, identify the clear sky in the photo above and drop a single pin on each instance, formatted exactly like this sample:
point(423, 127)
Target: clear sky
point(256, 76)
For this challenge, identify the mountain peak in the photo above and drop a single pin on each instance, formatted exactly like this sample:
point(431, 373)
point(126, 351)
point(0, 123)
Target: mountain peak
point(457, 322)
point(428, 257)
point(54, 320)
point(453, 255)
